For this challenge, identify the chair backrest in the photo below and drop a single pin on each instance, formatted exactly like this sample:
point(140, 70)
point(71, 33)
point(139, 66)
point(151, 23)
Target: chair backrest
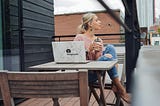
point(121, 64)
point(121, 58)
point(44, 85)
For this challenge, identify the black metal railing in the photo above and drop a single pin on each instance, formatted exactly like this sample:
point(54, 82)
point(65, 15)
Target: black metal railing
point(104, 37)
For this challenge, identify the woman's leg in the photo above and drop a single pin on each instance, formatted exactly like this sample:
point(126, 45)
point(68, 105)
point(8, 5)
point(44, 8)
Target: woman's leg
point(120, 88)
point(110, 50)
point(113, 73)
point(92, 76)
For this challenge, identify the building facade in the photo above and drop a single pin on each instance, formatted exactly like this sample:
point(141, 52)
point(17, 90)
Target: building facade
point(66, 24)
point(146, 12)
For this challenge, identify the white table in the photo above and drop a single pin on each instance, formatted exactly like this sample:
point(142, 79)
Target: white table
point(97, 66)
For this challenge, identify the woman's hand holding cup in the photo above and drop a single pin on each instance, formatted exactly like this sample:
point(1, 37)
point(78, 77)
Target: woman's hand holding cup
point(97, 44)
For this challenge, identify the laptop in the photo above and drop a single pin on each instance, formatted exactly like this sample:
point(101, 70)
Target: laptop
point(69, 52)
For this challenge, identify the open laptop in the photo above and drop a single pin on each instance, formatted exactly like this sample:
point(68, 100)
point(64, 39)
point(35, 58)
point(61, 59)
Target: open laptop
point(69, 52)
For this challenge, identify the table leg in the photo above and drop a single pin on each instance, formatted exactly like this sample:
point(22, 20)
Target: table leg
point(101, 88)
point(94, 93)
point(55, 102)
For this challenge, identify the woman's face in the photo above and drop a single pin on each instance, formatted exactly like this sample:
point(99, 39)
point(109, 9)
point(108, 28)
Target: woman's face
point(96, 23)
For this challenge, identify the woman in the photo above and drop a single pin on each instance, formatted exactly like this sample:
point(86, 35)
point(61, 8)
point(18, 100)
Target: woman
point(96, 51)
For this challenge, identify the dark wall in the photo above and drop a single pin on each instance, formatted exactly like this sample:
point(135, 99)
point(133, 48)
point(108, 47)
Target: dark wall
point(29, 28)
point(38, 24)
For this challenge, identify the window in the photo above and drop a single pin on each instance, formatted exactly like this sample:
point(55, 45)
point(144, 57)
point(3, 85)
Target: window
point(156, 43)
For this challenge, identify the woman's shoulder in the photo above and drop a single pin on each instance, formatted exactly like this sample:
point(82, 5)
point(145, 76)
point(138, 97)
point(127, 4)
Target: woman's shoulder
point(79, 37)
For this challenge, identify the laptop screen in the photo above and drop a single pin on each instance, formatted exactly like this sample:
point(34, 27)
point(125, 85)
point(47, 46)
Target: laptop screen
point(69, 52)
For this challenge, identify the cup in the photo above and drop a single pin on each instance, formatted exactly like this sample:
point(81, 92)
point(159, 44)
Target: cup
point(97, 40)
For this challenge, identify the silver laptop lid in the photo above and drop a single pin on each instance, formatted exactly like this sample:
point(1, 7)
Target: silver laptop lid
point(69, 52)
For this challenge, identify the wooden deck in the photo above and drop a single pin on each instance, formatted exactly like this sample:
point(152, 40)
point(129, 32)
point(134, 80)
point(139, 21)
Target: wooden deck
point(109, 95)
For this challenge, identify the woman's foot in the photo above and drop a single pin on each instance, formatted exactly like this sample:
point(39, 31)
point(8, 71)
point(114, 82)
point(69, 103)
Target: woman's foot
point(123, 95)
point(121, 90)
point(126, 97)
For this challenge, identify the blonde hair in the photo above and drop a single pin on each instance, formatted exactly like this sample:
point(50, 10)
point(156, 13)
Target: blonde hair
point(83, 27)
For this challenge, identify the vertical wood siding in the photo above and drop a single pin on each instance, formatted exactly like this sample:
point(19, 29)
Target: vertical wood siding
point(38, 24)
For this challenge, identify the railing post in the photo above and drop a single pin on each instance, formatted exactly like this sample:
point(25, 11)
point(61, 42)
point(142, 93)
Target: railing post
point(131, 42)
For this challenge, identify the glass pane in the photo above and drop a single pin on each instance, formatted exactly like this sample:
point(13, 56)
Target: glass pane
point(1, 49)
point(15, 58)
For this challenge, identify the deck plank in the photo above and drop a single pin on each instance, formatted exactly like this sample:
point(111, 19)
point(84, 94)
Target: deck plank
point(72, 101)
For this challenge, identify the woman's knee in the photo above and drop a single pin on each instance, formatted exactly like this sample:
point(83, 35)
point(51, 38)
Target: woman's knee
point(104, 58)
point(113, 73)
point(110, 47)
point(111, 50)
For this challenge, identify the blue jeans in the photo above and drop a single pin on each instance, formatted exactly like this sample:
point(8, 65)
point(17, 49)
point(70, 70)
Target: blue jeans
point(112, 72)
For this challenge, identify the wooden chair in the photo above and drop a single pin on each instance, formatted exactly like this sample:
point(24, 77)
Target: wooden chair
point(108, 81)
point(44, 85)
point(121, 67)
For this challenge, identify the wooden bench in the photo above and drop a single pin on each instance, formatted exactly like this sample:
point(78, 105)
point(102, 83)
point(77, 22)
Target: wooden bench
point(44, 85)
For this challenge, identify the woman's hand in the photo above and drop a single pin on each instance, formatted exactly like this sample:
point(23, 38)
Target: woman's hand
point(108, 55)
point(97, 46)
point(91, 47)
